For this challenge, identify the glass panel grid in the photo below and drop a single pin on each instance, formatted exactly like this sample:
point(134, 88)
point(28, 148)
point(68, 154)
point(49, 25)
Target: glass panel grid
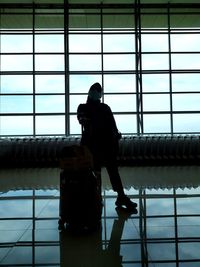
point(43, 58)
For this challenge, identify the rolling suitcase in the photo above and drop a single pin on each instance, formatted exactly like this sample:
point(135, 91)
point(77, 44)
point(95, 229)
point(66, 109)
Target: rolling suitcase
point(80, 192)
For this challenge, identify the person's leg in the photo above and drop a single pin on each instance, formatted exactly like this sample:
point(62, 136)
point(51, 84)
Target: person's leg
point(115, 179)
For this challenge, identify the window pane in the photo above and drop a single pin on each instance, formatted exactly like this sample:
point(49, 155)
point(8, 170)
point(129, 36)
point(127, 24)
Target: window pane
point(48, 104)
point(186, 102)
point(75, 127)
point(152, 20)
point(184, 19)
point(75, 100)
point(185, 82)
point(16, 84)
point(126, 123)
point(185, 42)
point(84, 43)
point(82, 19)
point(49, 63)
point(119, 83)
point(119, 20)
point(50, 125)
point(185, 61)
point(16, 104)
point(154, 42)
point(155, 83)
point(156, 102)
point(47, 21)
point(118, 43)
point(42, 210)
point(82, 83)
point(49, 43)
point(16, 62)
point(14, 20)
point(156, 123)
point(119, 62)
point(16, 43)
point(186, 122)
point(49, 83)
point(84, 62)
point(155, 62)
point(16, 205)
point(16, 125)
point(121, 103)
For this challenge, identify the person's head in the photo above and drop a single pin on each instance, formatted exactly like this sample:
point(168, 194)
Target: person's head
point(95, 92)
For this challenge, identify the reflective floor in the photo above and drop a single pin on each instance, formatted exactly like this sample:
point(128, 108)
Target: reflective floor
point(165, 231)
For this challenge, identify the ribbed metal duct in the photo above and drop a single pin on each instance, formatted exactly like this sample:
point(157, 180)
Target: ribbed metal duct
point(134, 151)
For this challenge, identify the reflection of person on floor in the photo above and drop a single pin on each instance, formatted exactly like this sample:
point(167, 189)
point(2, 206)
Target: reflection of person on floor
point(86, 250)
point(112, 252)
point(101, 136)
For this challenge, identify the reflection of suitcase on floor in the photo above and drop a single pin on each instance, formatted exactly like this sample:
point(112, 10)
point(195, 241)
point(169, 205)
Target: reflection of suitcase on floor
point(80, 200)
point(80, 195)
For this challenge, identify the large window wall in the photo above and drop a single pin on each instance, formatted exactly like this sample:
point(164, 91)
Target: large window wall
point(146, 58)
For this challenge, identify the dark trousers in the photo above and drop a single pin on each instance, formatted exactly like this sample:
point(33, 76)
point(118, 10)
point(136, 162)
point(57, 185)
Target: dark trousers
point(113, 172)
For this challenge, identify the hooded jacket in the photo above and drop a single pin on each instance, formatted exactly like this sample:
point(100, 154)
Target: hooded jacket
point(100, 132)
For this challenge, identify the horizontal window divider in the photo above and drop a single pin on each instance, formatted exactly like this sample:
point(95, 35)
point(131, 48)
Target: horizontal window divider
point(155, 71)
point(104, 31)
point(32, 114)
point(185, 71)
point(91, 31)
point(120, 93)
point(165, 30)
point(104, 72)
point(167, 52)
point(74, 6)
point(184, 52)
point(101, 53)
point(183, 31)
point(105, 93)
point(32, 72)
point(172, 71)
point(30, 32)
point(125, 113)
point(168, 92)
point(184, 92)
point(30, 53)
point(30, 94)
point(169, 112)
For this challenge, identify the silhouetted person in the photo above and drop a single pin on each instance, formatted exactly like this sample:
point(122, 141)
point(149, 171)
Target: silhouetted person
point(101, 136)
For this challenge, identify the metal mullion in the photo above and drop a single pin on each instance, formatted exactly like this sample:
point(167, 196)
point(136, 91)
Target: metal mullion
point(138, 68)
point(170, 73)
point(33, 228)
point(142, 227)
point(34, 102)
point(176, 228)
point(66, 59)
point(102, 51)
point(140, 75)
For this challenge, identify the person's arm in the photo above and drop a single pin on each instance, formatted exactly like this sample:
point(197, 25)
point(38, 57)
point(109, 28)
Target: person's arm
point(111, 121)
point(82, 115)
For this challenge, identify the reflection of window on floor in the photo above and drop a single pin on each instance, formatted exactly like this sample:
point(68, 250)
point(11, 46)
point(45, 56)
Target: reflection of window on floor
point(166, 219)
